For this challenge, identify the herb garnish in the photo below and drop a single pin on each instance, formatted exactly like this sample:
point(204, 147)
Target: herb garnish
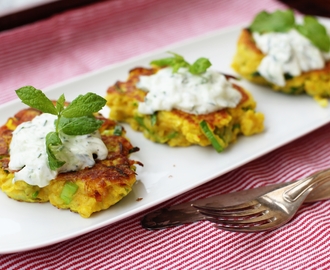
point(315, 32)
point(177, 61)
point(278, 21)
point(75, 119)
point(284, 21)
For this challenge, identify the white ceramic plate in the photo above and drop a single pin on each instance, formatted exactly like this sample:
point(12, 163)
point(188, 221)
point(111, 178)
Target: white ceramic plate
point(167, 172)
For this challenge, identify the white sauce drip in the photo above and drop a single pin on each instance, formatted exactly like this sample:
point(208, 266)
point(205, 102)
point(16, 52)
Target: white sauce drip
point(195, 94)
point(290, 53)
point(28, 151)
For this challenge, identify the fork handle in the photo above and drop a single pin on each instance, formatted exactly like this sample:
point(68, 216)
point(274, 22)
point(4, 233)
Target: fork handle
point(308, 184)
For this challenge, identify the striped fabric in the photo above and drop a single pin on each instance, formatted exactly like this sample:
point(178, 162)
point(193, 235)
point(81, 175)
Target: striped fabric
point(77, 42)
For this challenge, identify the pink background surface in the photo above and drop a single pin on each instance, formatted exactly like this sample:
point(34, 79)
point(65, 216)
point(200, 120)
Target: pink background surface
point(95, 36)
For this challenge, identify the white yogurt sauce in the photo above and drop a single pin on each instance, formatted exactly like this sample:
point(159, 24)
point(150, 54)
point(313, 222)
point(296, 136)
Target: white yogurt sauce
point(195, 94)
point(290, 53)
point(29, 158)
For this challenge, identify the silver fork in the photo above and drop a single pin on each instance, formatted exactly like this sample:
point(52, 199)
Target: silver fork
point(266, 212)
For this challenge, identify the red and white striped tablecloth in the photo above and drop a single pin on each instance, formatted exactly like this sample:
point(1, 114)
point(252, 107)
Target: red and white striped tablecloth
point(107, 32)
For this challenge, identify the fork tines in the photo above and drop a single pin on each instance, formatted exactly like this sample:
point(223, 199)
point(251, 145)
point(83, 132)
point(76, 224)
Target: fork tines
point(242, 217)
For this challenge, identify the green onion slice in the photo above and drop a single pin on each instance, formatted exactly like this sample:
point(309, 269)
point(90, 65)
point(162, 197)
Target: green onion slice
point(153, 119)
point(68, 191)
point(35, 195)
point(118, 130)
point(215, 141)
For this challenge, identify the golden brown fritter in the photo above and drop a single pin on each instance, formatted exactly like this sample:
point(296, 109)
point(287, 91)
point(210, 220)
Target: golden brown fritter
point(315, 83)
point(178, 128)
point(99, 187)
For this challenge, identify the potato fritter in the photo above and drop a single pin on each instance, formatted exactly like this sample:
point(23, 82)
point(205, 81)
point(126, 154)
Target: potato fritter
point(315, 83)
point(99, 187)
point(178, 128)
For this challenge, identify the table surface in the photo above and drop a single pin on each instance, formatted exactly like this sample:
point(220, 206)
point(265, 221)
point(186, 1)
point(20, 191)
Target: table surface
point(87, 38)
point(14, 13)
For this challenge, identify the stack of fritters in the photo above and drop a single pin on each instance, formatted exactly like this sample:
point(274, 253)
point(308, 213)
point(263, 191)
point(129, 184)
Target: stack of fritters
point(178, 128)
point(248, 57)
point(99, 187)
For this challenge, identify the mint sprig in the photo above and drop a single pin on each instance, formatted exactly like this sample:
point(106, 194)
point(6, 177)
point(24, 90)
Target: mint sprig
point(278, 21)
point(284, 21)
point(75, 119)
point(177, 61)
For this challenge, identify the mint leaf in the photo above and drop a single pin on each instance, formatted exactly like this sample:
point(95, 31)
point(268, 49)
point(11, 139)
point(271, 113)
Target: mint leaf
point(162, 62)
point(52, 143)
point(60, 103)
point(79, 125)
point(200, 66)
point(315, 32)
point(36, 99)
point(84, 105)
point(178, 62)
point(53, 139)
point(278, 21)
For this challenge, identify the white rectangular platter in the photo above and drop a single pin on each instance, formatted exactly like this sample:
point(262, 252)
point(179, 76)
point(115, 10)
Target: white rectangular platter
point(167, 172)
